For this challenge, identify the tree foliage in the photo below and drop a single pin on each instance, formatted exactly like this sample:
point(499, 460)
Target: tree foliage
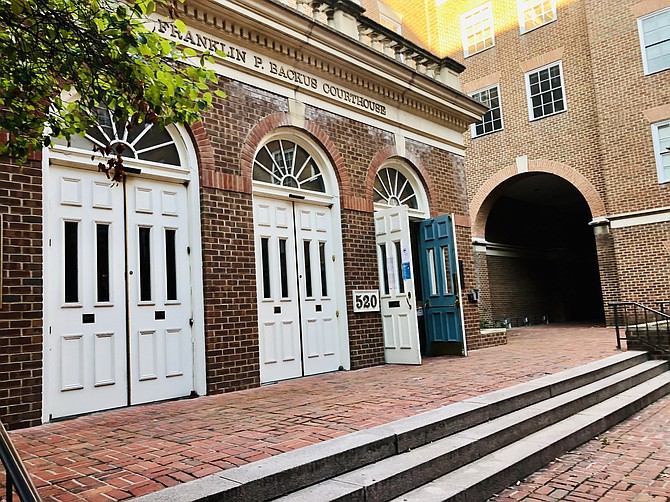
point(62, 59)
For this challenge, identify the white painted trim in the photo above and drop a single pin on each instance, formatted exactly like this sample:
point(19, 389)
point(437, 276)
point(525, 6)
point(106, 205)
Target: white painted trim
point(643, 48)
point(656, 139)
point(186, 146)
point(458, 278)
point(473, 126)
point(647, 217)
point(46, 286)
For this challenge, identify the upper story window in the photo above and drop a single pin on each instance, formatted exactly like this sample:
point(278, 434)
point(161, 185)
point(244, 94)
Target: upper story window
point(492, 120)
point(655, 41)
point(661, 136)
point(544, 88)
point(477, 29)
point(285, 163)
point(535, 13)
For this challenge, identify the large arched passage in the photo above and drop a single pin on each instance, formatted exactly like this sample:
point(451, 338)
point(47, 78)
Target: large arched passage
point(540, 253)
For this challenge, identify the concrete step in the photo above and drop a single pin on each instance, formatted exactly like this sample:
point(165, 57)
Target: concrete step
point(290, 472)
point(395, 475)
point(479, 480)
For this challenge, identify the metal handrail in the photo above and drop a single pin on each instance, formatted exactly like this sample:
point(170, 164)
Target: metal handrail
point(18, 479)
point(644, 325)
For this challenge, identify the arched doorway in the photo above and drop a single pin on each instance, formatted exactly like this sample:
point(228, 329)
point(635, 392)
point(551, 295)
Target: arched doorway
point(418, 269)
point(541, 258)
point(123, 316)
point(299, 262)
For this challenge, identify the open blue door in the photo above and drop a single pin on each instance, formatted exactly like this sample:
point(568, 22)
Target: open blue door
point(440, 283)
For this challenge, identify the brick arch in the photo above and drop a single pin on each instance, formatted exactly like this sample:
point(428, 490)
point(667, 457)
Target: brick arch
point(388, 153)
point(283, 120)
point(482, 202)
point(202, 145)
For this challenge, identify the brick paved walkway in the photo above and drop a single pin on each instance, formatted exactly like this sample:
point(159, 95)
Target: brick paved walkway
point(630, 462)
point(129, 452)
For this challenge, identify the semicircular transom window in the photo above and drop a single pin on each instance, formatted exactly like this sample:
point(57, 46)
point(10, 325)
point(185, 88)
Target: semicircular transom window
point(285, 163)
point(142, 141)
point(394, 189)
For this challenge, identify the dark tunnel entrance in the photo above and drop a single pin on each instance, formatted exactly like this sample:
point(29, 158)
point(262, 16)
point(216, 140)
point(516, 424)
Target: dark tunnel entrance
point(541, 253)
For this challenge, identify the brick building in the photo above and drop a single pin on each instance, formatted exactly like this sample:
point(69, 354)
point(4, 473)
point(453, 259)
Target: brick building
point(568, 173)
point(272, 240)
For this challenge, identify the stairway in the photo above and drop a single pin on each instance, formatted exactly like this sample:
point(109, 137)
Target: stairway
point(465, 451)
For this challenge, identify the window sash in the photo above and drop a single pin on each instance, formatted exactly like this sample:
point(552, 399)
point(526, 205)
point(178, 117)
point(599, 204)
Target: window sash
point(654, 31)
point(477, 30)
point(492, 119)
point(661, 139)
point(545, 91)
point(535, 13)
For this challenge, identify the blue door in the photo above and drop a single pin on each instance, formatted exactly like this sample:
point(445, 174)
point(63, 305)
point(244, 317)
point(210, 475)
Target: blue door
point(439, 283)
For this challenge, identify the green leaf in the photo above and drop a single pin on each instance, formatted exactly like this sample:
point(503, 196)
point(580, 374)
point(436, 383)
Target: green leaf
point(179, 24)
point(189, 52)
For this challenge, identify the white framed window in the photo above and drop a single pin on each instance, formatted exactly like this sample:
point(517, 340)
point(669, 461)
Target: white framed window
point(535, 13)
point(660, 133)
point(492, 119)
point(545, 91)
point(654, 32)
point(477, 29)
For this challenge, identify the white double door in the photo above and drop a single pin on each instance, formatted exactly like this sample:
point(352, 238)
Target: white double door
point(118, 293)
point(297, 295)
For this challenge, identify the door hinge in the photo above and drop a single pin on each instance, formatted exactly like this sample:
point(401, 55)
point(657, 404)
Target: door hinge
point(337, 313)
point(190, 322)
point(333, 257)
point(49, 242)
point(188, 249)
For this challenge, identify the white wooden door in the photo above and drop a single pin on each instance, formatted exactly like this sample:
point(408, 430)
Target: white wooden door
point(118, 296)
point(85, 298)
point(397, 296)
point(159, 283)
point(297, 295)
point(316, 274)
point(277, 287)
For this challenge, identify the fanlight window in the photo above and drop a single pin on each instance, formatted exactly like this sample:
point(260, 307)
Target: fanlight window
point(143, 141)
point(285, 163)
point(394, 189)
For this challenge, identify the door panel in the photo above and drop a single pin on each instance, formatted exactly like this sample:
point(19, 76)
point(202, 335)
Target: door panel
point(394, 257)
point(316, 278)
point(279, 326)
point(85, 338)
point(440, 281)
point(161, 354)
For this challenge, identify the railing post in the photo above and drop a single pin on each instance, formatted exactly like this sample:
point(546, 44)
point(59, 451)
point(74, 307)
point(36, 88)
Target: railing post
point(616, 325)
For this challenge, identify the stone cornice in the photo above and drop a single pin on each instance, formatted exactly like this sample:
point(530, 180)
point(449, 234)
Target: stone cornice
point(287, 35)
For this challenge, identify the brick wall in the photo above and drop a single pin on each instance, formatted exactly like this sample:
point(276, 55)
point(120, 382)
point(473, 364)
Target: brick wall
point(366, 341)
point(21, 310)
point(643, 262)
point(229, 274)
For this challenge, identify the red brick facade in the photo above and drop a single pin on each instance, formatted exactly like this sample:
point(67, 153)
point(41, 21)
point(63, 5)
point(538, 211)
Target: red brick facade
point(225, 143)
point(21, 307)
point(601, 145)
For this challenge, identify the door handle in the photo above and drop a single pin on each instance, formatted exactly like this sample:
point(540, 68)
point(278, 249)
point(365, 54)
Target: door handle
point(426, 304)
point(409, 295)
point(457, 303)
